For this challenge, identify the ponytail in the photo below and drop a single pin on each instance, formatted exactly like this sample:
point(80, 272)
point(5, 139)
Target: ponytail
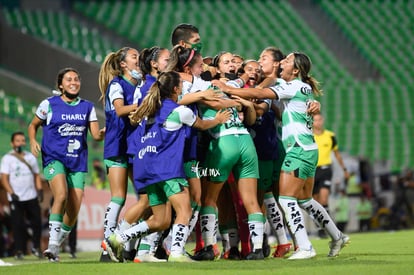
point(303, 63)
point(110, 68)
point(149, 106)
point(315, 85)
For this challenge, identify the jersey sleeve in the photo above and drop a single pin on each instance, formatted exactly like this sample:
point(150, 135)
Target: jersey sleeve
point(199, 84)
point(115, 92)
point(92, 115)
point(187, 116)
point(43, 109)
point(186, 87)
point(334, 143)
point(282, 92)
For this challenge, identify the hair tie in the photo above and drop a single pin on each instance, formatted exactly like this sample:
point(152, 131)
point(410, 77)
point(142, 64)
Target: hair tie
point(189, 58)
point(154, 53)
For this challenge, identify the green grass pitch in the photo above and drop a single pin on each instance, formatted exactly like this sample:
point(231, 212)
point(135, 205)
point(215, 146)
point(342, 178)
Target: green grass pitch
point(368, 253)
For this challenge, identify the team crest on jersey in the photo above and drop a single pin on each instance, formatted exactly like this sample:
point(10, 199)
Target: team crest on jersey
point(51, 171)
point(305, 90)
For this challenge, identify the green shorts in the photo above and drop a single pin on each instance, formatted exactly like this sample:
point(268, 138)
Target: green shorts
point(121, 162)
point(229, 153)
point(73, 179)
point(191, 169)
point(302, 162)
point(158, 193)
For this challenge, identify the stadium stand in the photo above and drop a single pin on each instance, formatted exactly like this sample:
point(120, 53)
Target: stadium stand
point(61, 30)
point(372, 118)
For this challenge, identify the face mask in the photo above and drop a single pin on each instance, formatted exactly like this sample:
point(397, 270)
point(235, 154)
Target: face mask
point(197, 47)
point(70, 96)
point(206, 76)
point(136, 75)
point(18, 149)
point(230, 76)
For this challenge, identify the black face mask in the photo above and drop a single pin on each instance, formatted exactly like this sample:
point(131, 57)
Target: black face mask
point(70, 96)
point(18, 149)
point(206, 76)
point(230, 76)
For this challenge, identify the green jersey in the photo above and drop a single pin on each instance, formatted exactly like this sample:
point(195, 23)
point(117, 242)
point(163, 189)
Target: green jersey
point(296, 122)
point(233, 126)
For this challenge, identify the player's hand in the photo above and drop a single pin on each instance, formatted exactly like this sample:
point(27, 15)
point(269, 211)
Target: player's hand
point(222, 86)
point(35, 148)
point(314, 107)
point(102, 133)
point(223, 115)
point(211, 94)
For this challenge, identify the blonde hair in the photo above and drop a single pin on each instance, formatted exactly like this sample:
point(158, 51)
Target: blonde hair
point(110, 68)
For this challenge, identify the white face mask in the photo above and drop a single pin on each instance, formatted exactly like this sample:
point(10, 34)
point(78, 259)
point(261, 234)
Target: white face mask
point(136, 75)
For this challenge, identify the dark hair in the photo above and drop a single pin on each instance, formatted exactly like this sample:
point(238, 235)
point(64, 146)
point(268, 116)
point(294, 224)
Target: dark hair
point(19, 133)
point(238, 56)
point(61, 74)
point(245, 62)
point(181, 57)
point(216, 58)
point(161, 89)
point(277, 56)
point(148, 55)
point(166, 82)
point(276, 53)
point(182, 32)
point(303, 63)
point(241, 70)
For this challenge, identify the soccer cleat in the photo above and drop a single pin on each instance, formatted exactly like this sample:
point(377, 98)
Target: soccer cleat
point(301, 254)
point(232, 254)
point(181, 258)
point(225, 255)
point(114, 248)
point(282, 250)
point(36, 253)
point(336, 246)
point(105, 258)
point(216, 251)
point(265, 246)
point(199, 246)
point(129, 255)
point(19, 255)
point(52, 253)
point(148, 258)
point(255, 255)
point(205, 254)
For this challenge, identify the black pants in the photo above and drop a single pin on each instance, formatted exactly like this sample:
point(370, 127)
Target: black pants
point(22, 211)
